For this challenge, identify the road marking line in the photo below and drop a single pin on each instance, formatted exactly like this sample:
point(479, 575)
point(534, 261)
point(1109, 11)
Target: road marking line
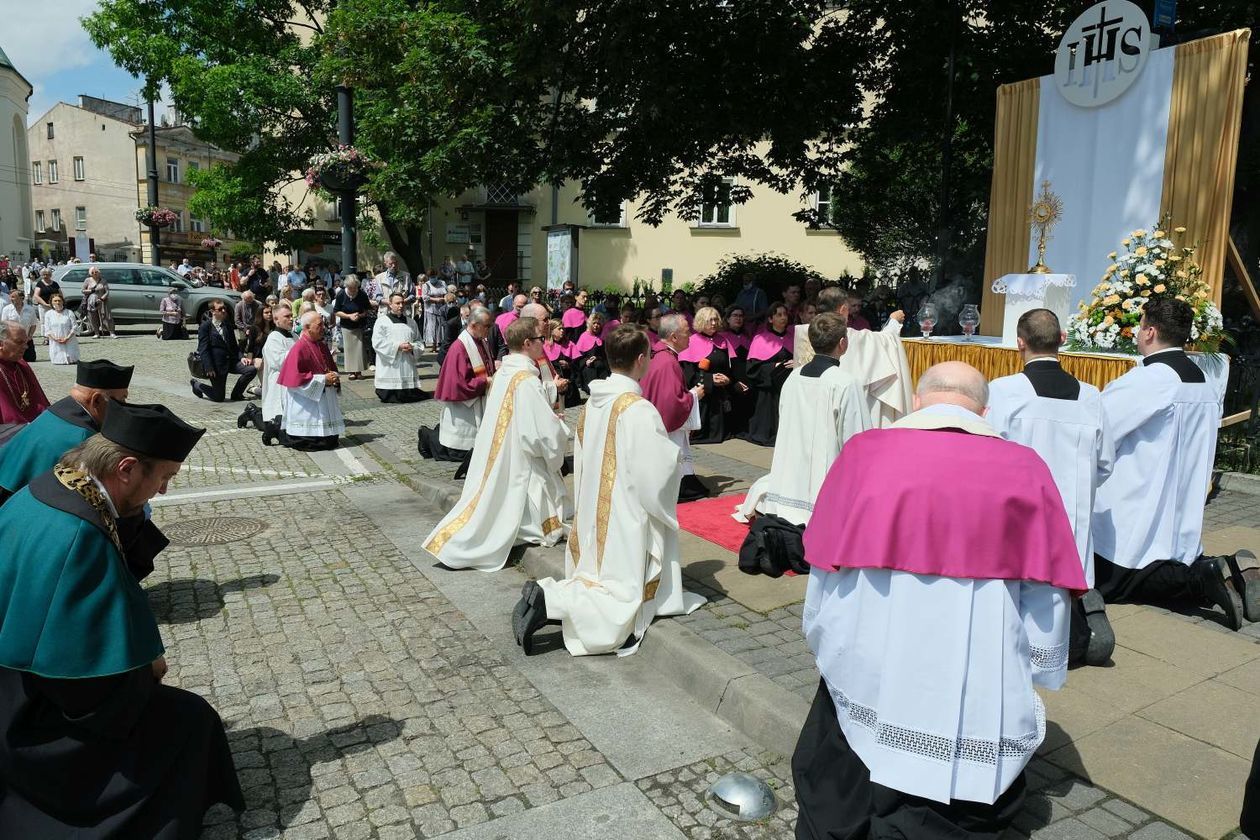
point(355, 465)
point(240, 471)
point(245, 490)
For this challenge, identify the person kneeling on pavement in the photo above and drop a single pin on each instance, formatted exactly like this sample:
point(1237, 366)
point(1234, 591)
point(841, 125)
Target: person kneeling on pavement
point(312, 418)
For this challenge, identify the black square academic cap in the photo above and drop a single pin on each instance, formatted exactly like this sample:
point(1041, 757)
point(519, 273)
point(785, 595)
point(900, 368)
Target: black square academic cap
point(103, 374)
point(151, 430)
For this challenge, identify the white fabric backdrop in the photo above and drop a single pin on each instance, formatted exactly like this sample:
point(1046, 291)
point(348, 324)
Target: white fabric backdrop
point(1107, 165)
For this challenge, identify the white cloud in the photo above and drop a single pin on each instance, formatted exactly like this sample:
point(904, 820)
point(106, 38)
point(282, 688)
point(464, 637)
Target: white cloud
point(40, 44)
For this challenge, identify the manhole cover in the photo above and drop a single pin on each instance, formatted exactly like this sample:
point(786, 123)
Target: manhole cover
point(212, 530)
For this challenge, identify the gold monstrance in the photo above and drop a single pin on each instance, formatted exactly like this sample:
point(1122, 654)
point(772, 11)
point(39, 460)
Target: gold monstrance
point(1043, 215)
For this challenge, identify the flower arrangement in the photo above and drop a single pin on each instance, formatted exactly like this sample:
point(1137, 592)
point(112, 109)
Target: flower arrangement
point(339, 169)
point(1153, 265)
point(211, 243)
point(158, 217)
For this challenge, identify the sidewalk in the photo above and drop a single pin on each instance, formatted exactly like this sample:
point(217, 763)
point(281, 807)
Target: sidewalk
point(1156, 746)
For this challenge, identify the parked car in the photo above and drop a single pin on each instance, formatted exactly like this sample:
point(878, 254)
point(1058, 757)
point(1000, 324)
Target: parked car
point(135, 289)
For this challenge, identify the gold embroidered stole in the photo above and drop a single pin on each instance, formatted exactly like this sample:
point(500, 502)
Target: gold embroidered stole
point(83, 484)
point(500, 432)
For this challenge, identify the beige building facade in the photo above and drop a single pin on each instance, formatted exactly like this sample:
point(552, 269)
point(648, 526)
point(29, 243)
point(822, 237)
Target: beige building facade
point(512, 234)
point(16, 229)
point(82, 172)
point(179, 151)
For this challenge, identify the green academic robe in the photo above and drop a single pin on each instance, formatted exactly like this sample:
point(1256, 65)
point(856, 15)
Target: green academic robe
point(40, 443)
point(91, 744)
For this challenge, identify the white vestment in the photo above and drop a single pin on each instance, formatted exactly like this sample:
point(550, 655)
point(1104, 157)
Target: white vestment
point(621, 565)
point(395, 370)
point(877, 360)
point(932, 677)
point(1151, 508)
point(514, 492)
point(461, 420)
point(682, 438)
point(817, 414)
point(275, 348)
point(1071, 436)
point(312, 410)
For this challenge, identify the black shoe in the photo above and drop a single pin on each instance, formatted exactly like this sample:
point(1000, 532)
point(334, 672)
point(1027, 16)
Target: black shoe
point(1212, 572)
point(1246, 583)
point(196, 391)
point(269, 438)
point(530, 615)
point(243, 420)
point(1102, 639)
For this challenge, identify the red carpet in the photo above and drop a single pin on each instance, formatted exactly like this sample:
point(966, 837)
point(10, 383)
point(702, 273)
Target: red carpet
point(710, 519)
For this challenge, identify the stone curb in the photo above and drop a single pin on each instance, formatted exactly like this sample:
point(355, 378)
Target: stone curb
point(1241, 483)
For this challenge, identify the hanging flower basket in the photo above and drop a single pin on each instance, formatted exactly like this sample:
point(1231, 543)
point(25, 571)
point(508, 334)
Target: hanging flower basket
point(1158, 263)
point(344, 168)
point(210, 243)
point(157, 217)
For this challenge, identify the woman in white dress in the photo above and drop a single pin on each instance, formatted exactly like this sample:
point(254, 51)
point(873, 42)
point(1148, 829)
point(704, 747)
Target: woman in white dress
point(396, 340)
point(63, 340)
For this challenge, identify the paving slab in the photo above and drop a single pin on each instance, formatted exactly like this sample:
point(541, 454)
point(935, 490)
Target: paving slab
point(1133, 681)
point(717, 568)
point(1188, 647)
point(1213, 712)
point(620, 811)
point(1231, 539)
point(1193, 784)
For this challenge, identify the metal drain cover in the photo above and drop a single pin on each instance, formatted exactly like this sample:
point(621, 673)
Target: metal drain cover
point(213, 530)
point(743, 797)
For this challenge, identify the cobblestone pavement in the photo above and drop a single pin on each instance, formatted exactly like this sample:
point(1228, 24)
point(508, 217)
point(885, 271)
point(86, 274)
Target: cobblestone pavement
point(362, 702)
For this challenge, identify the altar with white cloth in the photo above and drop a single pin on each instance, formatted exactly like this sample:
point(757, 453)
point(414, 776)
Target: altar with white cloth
point(988, 355)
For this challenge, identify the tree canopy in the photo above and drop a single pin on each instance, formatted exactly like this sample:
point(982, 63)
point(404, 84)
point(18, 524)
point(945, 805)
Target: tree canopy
point(652, 100)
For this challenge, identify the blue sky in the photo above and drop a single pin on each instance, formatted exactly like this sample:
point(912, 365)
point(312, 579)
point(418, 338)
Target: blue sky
point(53, 52)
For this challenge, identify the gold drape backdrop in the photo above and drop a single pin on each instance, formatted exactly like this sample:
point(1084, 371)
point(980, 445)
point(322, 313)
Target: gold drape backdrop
point(1014, 159)
point(1202, 153)
point(1004, 361)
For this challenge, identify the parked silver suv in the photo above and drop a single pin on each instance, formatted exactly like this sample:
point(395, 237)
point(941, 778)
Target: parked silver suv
point(135, 289)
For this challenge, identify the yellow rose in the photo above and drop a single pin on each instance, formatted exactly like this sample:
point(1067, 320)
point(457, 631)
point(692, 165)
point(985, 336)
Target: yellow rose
point(1111, 300)
point(1159, 234)
point(1112, 255)
point(1160, 289)
point(1142, 280)
point(1182, 274)
point(1179, 230)
point(1140, 232)
point(1174, 258)
point(1158, 263)
point(1108, 321)
point(1141, 251)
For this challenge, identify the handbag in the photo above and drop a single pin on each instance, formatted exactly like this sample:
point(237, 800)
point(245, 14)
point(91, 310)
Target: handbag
point(195, 367)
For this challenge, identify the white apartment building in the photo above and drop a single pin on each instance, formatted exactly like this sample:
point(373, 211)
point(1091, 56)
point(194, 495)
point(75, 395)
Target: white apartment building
point(83, 179)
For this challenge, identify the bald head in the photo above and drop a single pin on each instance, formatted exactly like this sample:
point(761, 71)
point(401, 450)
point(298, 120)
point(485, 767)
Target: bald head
point(953, 383)
point(519, 301)
point(534, 310)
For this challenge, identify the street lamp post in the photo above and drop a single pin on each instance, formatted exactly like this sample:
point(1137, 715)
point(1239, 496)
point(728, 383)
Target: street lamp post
point(152, 177)
point(349, 203)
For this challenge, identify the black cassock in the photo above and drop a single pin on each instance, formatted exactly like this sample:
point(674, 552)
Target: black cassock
point(717, 405)
point(120, 756)
point(766, 377)
point(590, 365)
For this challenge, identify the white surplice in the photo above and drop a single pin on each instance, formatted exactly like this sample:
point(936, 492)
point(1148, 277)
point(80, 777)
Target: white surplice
point(514, 492)
point(932, 677)
point(817, 414)
point(395, 370)
point(1151, 508)
point(622, 565)
point(1071, 436)
point(877, 360)
point(461, 420)
point(681, 438)
point(275, 348)
point(312, 410)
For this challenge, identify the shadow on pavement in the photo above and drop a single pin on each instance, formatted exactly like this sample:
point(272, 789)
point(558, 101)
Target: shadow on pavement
point(275, 768)
point(1039, 809)
point(190, 599)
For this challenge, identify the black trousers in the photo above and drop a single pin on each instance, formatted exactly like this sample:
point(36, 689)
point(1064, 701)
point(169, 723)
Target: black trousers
point(214, 389)
point(1249, 821)
point(838, 800)
point(1161, 582)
